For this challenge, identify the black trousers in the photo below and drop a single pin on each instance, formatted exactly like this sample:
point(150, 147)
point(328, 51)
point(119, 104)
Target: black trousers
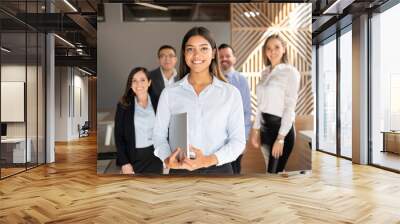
point(146, 161)
point(236, 165)
point(223, 169)
point(269, 132)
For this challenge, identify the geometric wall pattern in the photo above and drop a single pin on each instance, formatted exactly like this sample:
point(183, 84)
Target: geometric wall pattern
point(252, 23)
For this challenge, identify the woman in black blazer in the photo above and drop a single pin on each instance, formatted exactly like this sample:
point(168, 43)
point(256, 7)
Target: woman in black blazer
point(134, 122)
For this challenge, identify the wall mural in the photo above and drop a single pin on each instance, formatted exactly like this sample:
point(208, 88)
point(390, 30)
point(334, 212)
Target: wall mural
point(252, 23)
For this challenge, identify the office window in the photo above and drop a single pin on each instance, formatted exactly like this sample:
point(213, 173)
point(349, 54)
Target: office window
point(346, 93)
point(327, 96)
point(14, 151)
point(22, 92)
point(385, 89)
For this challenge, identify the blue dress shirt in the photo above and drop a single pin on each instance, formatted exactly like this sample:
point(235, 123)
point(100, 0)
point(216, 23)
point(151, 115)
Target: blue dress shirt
point(215, 119)
point(144, 124)
point(239, 81)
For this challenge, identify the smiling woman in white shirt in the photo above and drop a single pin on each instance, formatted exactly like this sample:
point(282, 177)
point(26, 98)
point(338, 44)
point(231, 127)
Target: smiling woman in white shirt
point(277, 94)
point(214, 107)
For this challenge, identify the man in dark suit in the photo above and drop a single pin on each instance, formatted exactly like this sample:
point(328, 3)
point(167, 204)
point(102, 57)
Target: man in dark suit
point(166, 74)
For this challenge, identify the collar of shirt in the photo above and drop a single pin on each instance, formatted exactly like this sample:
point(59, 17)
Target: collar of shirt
point(268, 70)
point(232, 76)
point(186, 85)
point(148, 103)
point(174, 74)
point(229, 71)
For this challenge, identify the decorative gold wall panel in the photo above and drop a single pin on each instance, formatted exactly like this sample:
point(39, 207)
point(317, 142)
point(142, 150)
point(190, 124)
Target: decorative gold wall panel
point(293, 22)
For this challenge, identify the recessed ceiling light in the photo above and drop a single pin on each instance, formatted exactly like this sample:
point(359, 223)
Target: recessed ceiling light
point(84, 71)
point(153, 6)
point(249, 14)
point(64, 40)
point(70, 5)
point(337, 7)
point(5, 50)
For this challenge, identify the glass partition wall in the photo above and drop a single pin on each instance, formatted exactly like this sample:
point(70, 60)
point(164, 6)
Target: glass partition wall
point(346, 92)
point(22, 87)
point(385, 90)
point(334, 91)
point(334, 94)
point(327, 96)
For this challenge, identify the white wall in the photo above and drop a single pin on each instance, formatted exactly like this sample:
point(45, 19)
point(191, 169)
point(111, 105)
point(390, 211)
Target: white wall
point(68, 81)
point(33, 125)
point(124, 45)
point(12, 73)
point(80, 83)
point(61, 103)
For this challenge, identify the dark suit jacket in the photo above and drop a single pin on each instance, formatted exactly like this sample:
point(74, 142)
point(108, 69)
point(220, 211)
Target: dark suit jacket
point(157, 80)
point(124, 131)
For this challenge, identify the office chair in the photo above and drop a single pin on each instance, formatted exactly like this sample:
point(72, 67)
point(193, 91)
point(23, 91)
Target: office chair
point(84, 130)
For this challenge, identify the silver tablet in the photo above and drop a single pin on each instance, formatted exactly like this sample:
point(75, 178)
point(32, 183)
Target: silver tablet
point(178, 133)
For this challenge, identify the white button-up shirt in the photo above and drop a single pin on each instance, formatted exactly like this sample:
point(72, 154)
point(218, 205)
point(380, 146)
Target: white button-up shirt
point(215, 119)
point(277, 94)
point(144, 123)
point(171, 80)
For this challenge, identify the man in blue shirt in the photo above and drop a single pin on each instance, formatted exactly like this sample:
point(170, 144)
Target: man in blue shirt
point(228, 60)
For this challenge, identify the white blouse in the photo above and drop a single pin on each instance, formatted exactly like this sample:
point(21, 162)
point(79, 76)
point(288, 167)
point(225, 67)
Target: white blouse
point(277, 94)
point(144, 119)
point(215, 116)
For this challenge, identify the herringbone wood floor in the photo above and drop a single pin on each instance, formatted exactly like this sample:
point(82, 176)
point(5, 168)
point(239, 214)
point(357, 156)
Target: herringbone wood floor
point(69, 191)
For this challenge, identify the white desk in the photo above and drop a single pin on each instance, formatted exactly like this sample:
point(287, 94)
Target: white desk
point(18, 150)
point(307, 135)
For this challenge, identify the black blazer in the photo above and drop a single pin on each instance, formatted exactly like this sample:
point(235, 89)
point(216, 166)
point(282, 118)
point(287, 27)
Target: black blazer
point(157, 80)
point(124, 131)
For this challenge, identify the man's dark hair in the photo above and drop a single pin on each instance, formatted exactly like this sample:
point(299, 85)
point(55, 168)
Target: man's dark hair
point(165, 47)
point(222, 46)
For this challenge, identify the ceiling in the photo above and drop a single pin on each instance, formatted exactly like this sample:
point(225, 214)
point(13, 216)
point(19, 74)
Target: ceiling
point(330, 16)
point(78, 24)
point(178, 12)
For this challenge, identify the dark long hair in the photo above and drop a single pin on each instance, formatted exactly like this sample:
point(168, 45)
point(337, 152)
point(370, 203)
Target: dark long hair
point(128, 96)
point(284, 59)
point(214, 67)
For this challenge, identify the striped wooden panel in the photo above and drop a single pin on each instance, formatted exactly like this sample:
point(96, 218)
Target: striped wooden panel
point(293, 22)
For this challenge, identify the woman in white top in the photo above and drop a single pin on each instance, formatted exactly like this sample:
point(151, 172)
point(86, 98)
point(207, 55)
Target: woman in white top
point(214, 107)
point(277, 94)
